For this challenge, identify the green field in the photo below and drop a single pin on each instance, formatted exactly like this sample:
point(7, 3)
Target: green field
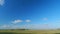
point(29, 31)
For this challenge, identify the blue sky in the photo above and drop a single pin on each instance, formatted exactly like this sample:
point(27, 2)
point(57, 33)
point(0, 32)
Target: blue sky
point(31, 14)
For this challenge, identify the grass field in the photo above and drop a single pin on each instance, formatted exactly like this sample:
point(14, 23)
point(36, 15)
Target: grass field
point(29, 31)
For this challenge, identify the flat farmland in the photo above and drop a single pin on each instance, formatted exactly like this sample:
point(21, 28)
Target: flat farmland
point(29, 31)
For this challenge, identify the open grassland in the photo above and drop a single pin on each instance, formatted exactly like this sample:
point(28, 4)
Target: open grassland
point(29, 31)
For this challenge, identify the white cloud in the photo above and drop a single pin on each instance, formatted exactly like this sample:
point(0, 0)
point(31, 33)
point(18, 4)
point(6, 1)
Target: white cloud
point(45, 18)
point(27, 20)
point(1, 2)
point(16, 21)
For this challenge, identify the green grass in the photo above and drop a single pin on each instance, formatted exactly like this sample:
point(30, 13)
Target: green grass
point(29, 31)
point(13, 33)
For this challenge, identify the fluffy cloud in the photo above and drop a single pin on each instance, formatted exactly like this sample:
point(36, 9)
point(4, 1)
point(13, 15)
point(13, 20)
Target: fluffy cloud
point(16, 21)
point(27, 20)
point(1, 2)
point(45, 18)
